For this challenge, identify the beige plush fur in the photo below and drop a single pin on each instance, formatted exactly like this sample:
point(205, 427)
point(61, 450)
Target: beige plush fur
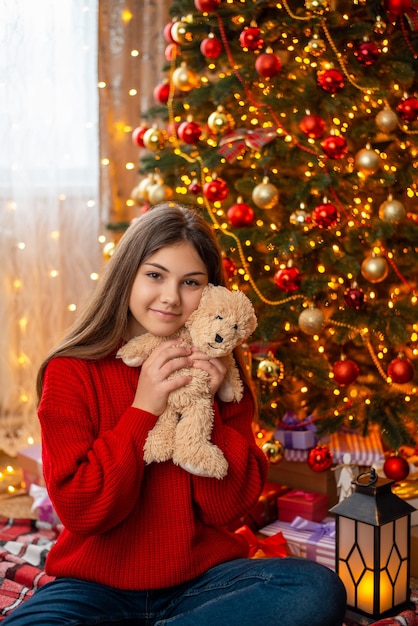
point(223, 320)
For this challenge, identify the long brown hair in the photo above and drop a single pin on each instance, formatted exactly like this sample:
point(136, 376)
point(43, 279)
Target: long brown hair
point(104, 322)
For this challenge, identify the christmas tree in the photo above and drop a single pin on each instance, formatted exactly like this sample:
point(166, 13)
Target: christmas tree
point(293, 127)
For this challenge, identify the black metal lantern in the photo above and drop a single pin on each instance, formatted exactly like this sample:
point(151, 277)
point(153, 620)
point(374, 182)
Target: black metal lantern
point(373, 547)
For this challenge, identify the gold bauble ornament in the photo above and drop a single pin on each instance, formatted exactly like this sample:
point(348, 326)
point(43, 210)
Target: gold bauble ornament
point(367, 161)
point(184, 79)
point(274, 450)
point(220, 122)
point(265, 195)
point(155, 139)
point(392, 211)
point(387, 120)
point(311, 320)
point(374, 268)
point(140, 192)
point(180, 32)
point(159, 192)
point(270, 369)
point(316, 46)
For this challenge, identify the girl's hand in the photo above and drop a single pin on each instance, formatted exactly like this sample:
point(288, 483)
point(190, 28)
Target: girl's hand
point(154, 385)
point(215, 367)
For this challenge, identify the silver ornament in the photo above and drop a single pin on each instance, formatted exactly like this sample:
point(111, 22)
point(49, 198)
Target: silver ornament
point(311, 321)
point(392, 211)
point(374, 268)
point(367, 161)
point(386, 120)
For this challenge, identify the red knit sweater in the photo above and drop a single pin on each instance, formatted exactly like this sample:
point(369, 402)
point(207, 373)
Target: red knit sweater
point(129, 525)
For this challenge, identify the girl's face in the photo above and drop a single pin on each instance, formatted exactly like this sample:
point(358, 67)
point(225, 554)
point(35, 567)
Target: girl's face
point(166, 290)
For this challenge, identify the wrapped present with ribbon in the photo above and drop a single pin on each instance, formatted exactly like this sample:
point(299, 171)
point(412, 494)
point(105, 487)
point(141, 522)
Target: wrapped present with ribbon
point(265, 511)
point(273, 546)
point(307, 504)
point(366, 450)
point(234, 143)
point(307, 539)
point(296, 434)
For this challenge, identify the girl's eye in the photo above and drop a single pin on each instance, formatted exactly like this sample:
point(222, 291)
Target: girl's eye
point(192, 283)
point(153, 274)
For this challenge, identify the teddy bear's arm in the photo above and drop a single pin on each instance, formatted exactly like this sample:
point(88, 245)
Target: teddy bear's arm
point(232, 387)
point(138, 349)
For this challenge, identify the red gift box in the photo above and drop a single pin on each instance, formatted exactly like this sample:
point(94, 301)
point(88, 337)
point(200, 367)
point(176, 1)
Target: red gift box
point(307, 504)
point(265, 511)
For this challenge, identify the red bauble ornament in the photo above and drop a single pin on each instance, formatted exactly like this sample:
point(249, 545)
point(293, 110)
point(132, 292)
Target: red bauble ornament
point(331, 80)
point(211, 47)
point(161, 93)
point(167, 32)
point(268, 64)
point(319, 458)
point(312, 126)
point(240, 215)
point(367, 53)
point(229, 267)
point(206, 6)
point(397, 7)
point(216, 190)
point(171, 51)
point(138, 136)
point(288, 279)
point(345, 371)
point(334, 146)
point(189, 132)
point(396, 467)
point(251, 38)
point(195, 187)
point(408, 109)
point(325, 215)
point(354, 298)
point(401, 370)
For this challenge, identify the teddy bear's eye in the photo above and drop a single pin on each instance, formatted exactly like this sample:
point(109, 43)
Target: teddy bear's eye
point(219, 317)
point(235, 327)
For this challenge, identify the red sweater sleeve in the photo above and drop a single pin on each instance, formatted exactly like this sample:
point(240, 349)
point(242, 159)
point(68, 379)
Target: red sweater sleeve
point(92, 456)
point(222, 501)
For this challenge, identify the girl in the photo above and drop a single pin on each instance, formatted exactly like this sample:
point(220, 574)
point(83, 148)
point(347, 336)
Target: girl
point(148, 544)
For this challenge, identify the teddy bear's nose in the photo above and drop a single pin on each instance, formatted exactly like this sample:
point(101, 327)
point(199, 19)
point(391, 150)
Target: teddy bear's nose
point(219, 339)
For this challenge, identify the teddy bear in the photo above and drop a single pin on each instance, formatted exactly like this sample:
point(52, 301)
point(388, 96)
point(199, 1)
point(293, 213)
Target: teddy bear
point(222, 321)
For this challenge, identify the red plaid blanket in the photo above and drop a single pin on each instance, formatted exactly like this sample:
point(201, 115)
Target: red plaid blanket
point(24, 545)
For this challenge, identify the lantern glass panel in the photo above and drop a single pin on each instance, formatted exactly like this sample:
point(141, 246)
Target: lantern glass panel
point(401, 536)
point(365, 540)
point(365, 592)
point(347, 535)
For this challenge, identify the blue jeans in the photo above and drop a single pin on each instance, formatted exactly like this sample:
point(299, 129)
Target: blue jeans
point(245, 592)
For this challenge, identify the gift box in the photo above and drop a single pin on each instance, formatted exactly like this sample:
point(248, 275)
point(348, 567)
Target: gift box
point(307, 504)
point(310, 540)
point(30, 462)
point(297, 474)
point(265, 511)
point(42, 505)
point(363, 450)
point(408, 491)
point(296, 434)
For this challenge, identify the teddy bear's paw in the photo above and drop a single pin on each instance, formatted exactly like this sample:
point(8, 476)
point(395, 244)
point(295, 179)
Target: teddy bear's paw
point(208, 460)
point(157, 448)
point(133, 361)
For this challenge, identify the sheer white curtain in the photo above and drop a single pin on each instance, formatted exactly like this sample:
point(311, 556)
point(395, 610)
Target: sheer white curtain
point(49, 180)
